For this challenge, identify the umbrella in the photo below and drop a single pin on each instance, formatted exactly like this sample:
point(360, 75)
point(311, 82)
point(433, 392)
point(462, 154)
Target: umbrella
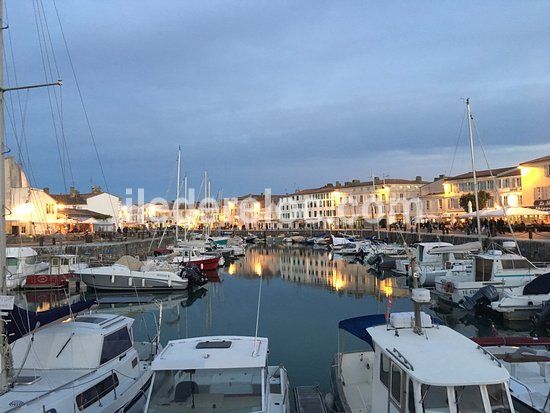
point(511, 212)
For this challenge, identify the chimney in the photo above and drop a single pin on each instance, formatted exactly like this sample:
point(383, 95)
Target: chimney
point(329, 185)
point(73, 191)
point(418, 178)
point(376, 179)
point(355, 181)
point(46, 190)
point(96, 190)
point(338, 184)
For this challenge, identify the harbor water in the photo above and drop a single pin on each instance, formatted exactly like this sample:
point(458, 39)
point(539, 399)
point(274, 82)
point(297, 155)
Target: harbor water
point(304, 293)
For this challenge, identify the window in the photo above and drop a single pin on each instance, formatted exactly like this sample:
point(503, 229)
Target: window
point(498, 397)
point(98, 391)
point(115, 344)
point(516, 264)
point(547, 170)
point(385, 370)
point(435, 397)
point(410, 391)
point(396, 384)
point(484, 268)
point(468, 399)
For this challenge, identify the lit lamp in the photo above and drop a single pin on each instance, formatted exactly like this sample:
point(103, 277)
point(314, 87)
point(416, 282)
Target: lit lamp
point(513, 200)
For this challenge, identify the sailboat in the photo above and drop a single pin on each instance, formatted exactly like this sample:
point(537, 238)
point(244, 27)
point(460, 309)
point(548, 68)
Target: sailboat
point(88, 364)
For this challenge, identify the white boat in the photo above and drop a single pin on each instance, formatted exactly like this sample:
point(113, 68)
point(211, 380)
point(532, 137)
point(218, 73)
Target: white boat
point(522, 306)
point(417, 366)
point(20, 262)
point(423, 257)
point(222, 374)
point(529, 368)
point(54, 374)
point(507, 272)
point(128, 273)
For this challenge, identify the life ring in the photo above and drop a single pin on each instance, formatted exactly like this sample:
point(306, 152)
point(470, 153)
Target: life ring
point(449, 287)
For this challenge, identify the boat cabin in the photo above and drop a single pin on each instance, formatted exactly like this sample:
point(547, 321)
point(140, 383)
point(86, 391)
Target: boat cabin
point(19, 257)
point(206, 374)
point(496, 264)
point(63, 264)
point(421, 373)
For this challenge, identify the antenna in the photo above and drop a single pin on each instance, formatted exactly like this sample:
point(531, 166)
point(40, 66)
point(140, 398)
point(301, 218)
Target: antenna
point(256, 348)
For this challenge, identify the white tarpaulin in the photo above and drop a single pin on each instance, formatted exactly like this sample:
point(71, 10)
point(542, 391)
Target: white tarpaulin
point(511, 212)
point(462, 248)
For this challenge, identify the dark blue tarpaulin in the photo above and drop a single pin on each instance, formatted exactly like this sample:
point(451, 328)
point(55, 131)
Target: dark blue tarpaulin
point(21, 322)
point(358, 325)
point(540, 285)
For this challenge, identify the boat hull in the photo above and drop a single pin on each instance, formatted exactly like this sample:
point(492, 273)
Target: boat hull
point(125, 283)
point(48, 280)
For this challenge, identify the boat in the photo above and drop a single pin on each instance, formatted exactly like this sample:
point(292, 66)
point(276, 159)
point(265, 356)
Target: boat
point(192, 257)
point(250, 238)
point(128, 273)
point(414, 364)
point(61, 271)
point(504, 270)
point(528, 361)
point(423, 257)
point(517, 307)
point(21, 262)
point(217, 374)
point(55, 375)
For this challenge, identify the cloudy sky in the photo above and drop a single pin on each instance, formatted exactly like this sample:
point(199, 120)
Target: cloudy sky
point(280, 94)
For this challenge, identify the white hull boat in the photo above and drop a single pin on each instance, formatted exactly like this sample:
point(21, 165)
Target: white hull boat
point(131, 275)
point(55, 375)
point(222, 374)
point(20, 262)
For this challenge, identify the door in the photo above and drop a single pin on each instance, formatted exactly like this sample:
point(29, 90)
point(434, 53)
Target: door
point(397, 399)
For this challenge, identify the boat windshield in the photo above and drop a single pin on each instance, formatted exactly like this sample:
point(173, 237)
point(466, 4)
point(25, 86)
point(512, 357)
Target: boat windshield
point(498, 397)
point(434, 399)
point(12, 262)
point(207, 391)
point(469, 400)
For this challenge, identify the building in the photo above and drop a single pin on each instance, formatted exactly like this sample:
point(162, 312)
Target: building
point(251, 211)
point(441, 198)
point(29, 211)
point(535, 178)
point(98, 210)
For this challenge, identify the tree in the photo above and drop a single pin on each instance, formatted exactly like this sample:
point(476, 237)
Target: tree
point(482, 197)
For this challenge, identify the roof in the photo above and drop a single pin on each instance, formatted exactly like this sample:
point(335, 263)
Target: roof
point(20, 252)
point(537, 160)
point(357, 183)
point(244, 352)
point(509, 171)
point(441, 356)
point(84, 213)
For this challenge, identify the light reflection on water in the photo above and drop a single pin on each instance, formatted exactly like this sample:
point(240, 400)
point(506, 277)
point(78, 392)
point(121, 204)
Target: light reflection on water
point(304, 295)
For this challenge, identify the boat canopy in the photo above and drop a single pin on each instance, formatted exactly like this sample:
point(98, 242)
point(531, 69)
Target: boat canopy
point(23, 322)
point(462, 248)
point(358, 325)
point(540, 285)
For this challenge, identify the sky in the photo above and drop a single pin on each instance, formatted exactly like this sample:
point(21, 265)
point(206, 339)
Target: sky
point(273, 94)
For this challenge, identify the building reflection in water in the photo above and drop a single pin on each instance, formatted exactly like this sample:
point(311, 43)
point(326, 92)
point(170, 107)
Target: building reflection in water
point(314, 267)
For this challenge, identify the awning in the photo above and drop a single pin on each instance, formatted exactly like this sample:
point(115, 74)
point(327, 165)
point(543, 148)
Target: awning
point(467, 247)
point(510, 212)
point(358, 325)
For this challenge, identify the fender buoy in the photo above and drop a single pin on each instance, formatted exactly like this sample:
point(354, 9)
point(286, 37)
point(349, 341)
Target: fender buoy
point(449, 287)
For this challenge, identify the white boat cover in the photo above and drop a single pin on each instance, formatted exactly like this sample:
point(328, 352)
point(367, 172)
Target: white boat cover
point(467, 247)
point(131, 262)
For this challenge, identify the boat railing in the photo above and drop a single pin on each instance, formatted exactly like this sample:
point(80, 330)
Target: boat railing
point(528, 390)
point(401, 358)
point(491, 356)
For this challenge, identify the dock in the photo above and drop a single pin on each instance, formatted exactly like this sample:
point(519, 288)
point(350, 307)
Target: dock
point(309, 399)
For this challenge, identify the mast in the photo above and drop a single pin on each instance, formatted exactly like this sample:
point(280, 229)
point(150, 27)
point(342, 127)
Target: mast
point(177, 203)
point(473, 158)
point(185, 208)
point(374, 206)
point(4, 355)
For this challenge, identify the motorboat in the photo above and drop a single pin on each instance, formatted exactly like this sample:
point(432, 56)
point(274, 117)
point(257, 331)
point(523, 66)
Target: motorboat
point(516, 307)
point(504, 270)
point(20, 262)
point(414, 364)
point(250, 238)
point(217, 374)
point(61, 270)
point(54, 374)
point(423, 258)
point(128, 273)
point(191, 256)
point(528, 361)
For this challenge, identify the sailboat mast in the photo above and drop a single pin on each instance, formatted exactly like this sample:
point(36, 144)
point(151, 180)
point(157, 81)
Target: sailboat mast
point(4, 358)
point(473, 158)
point(177, 203)
point(374, 204)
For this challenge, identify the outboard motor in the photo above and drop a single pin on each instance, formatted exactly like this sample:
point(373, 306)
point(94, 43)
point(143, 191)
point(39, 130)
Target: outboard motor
point(374, 260)
point(483, 297)
point(194, 275)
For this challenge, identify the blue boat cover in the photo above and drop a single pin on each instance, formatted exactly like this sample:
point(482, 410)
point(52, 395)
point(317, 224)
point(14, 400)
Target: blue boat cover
point(358, 325)
point(21, 322)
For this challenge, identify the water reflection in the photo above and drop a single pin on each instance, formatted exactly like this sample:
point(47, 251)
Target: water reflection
point(317, 268)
